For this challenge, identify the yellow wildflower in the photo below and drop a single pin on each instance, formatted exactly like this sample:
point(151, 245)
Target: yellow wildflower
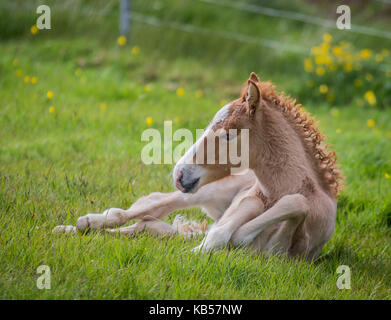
point(51, 109)
point(371, 123)
point(316, 51)
point(147, 88)
point(149, 121)
point(327, 37)
point(180, 92)
point(323, 88)
point(325, 48)
point(121, 40)
point(26, 79)
point(136, 50)
point(365, 54)
point(337, 50)
point(49, 94)
point(320, 71)
point(308, 67)
point(323, 59)
point(368, 77)
point(34, 30)
point(103, 106)
point(348, 67)
point(198, 94)
point(387, 175)
point(34, 80)
point(370, 97)
point(19, 72)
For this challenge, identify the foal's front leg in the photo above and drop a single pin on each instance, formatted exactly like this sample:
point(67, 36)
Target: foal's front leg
point(153, 206)
point(243, 209)
point(156, 205)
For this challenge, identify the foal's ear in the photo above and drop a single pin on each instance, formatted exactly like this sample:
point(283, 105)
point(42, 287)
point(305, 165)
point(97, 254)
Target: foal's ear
point(253, 97)
point(254, 77)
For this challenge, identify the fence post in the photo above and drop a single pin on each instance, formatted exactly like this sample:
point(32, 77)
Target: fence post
point(124, 22)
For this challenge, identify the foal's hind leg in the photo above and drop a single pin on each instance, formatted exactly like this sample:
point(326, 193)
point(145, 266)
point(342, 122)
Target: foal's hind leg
point(154, 227)
point(291, 210)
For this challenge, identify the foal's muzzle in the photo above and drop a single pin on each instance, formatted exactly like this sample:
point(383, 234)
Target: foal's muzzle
point(186, 177)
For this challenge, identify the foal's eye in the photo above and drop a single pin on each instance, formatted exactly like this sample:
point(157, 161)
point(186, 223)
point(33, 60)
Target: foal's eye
point(228, 137)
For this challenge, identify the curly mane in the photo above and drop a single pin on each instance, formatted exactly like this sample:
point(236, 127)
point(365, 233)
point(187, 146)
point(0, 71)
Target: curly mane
point(313, 141)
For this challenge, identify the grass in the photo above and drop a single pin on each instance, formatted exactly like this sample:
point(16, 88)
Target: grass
point(85, 157)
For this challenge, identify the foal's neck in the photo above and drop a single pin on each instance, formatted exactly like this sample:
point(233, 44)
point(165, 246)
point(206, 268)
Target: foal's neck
point(281, 163)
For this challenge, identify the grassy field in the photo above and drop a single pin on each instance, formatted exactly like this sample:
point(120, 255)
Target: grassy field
point(70, 144)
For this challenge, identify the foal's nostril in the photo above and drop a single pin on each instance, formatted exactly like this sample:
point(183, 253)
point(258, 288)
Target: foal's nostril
point(184, 182)
point(189, 186)
point(179, 181)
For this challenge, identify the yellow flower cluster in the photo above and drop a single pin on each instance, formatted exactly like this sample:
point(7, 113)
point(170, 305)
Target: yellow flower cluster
point(19, 73)
point(33, 80)
point(321, 58)
point(333, 65)
point(331, 57)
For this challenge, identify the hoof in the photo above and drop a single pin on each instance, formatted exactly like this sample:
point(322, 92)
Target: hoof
point(197, 249)
point(64, 229)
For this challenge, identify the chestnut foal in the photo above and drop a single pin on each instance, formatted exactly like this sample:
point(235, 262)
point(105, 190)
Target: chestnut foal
point(286, 201)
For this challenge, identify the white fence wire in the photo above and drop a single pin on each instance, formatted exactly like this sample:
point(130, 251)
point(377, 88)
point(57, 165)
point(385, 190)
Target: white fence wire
point(222, 34)
point(297, 16)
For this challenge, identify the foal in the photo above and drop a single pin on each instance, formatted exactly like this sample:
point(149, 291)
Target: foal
point(285, 203)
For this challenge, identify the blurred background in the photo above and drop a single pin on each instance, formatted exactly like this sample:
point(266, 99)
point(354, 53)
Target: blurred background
point(286, 41)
